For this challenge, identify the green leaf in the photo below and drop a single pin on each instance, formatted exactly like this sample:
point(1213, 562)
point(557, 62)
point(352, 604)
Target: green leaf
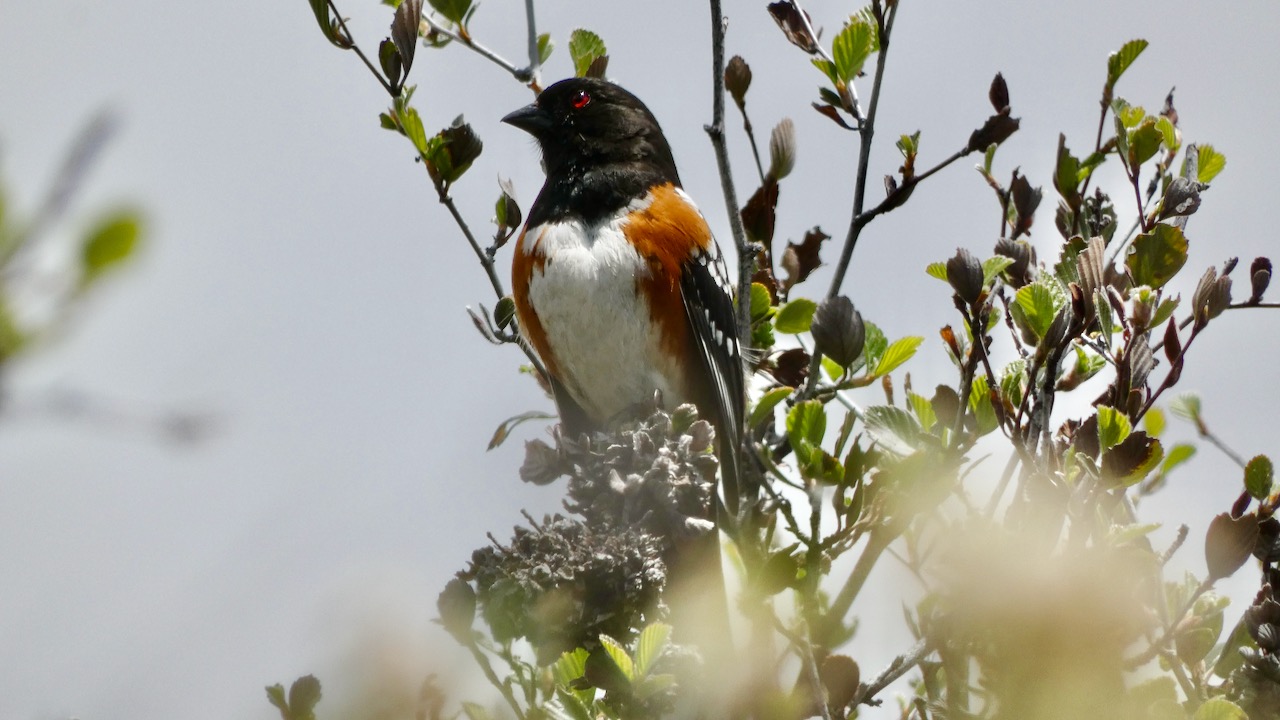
point(873, 347)
point(823, 467)
point(651, 646)
point(806, 424)
point(1153, 422)
point(923, 409)
point(12, 338)
point(851, 48)
point(760, 301)
point(938, 270)
point(455, 10)
point(993, 266)
point(763, 410)
point(894, 429)
point(1258, 475)
point(304, 695)
point(1210, 162)
point(618, 654)
point(1168, 132)
point(584, 47)
point(1113, 427)
point(795, 317)
point(110, 243)
point(1144, 142)
point(570, 666)
point(1038, 306)
point(1164, 311)
point(1157, 256)
point(653, 685)
point(1220, 709)
point(545, 46)
point(980, 404)
point(411, 125)
point(1187, 407)
point(896, 354)
point(1120, 60)
point(275, 696)
point(1177, 455)
point(1121, 534)
point(832, 368)
point(569, 705)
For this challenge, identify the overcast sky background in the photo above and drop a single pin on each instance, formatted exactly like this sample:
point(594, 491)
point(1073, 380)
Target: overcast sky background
point(301, 286)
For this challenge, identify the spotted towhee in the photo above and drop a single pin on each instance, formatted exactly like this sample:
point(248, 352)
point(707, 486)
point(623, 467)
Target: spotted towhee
point(618, 284)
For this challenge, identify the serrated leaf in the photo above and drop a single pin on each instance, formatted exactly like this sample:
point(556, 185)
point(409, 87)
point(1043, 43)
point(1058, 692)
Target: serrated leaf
point(1210, 163)
point(618, 654)
point(873, 346)
point(584, 47)
point(980, 404)
point(993, 266)
point(795, 317)
point(763, 410)
point(570, 666)
point(894, 429)
point(1118, 62)
point(304, 695)
point(1038, 306)
point(568, 706)
point(1258, 476)
point(938, 270)
point(760, 301)
point(651, 646)
point(1113, 427)
point(896, 354)
point(851, 48)
point(1156, 256)
point(923, 409)
point(806, 425)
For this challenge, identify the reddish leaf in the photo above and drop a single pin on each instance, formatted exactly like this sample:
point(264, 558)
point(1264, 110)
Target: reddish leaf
point(806, 255)
point(791, 367)
point(795, 24)
point(759, 215)
point(833, 113)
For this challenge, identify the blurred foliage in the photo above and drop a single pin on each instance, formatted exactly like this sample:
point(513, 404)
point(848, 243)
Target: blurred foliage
point(1044, 599)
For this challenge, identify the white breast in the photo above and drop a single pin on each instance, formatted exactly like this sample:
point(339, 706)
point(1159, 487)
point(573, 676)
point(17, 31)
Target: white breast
point(604, 340)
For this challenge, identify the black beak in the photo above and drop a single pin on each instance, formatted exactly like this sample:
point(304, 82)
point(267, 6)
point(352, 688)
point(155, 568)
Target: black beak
point(531, 119)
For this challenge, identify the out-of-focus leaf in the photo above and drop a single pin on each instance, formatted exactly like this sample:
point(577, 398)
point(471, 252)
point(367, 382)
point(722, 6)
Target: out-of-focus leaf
point(109, 243)
point(650, 647)
point(455, 11)
point(1219, 708)
point(304, 695)
point(545, 46)
point(1229, 543)
point(618, 654)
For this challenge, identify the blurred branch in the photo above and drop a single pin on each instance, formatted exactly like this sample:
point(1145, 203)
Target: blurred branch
point(898, 667)
point(86, 149)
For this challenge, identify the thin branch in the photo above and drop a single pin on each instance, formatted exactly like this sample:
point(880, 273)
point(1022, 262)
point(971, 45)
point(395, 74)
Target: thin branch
point(1243, 305)
point(715, 131)
point(535, 58)
point(898, 667)
point(393, 92)
point(486, 261)
point(525, 75)
point(492, 677)
point(868, 129)
point(1174, 622)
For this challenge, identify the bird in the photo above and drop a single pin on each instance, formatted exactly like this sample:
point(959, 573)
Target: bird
point(619, 285)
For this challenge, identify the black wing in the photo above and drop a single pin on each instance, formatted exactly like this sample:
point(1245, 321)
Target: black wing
point(708, 306)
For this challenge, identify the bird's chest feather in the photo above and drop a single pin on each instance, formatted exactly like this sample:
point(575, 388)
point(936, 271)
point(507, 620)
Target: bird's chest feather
point(597, 305)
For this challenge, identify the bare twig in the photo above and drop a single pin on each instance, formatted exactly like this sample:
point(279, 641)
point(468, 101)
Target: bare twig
point(342, 23)
point(715, 131)
point(527, 75)
point(1174, 622)
point(898, 667)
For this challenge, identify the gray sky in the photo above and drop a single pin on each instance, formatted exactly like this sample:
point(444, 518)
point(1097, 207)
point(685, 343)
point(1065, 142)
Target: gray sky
point(301, 285)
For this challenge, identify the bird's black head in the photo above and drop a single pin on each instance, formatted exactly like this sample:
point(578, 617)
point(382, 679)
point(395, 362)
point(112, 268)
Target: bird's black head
point(587, 124)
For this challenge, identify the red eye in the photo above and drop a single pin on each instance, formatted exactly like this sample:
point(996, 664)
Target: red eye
point(581, 100)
